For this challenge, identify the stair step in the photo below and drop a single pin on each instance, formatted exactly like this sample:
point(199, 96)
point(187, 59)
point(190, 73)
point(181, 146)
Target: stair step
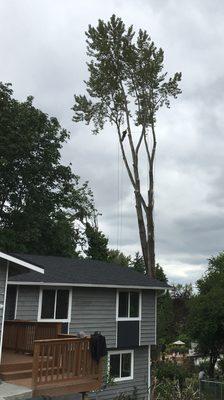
point(15, 367)
point(13, 375)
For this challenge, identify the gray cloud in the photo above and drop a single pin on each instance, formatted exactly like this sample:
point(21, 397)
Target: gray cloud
point(43, 54)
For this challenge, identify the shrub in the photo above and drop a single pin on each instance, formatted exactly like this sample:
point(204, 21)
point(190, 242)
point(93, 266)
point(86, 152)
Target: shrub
point(177, 349)
point(123, 396)
point(171, 390)
point(168, 370)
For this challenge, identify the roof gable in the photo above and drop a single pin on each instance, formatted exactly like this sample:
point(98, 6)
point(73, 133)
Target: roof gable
point(24, 263)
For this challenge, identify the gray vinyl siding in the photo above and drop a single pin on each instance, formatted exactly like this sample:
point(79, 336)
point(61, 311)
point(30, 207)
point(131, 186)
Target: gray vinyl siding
point(94, 309)
point(27, 303)
point(148, 323)
point(3, 275)
point(140, 380)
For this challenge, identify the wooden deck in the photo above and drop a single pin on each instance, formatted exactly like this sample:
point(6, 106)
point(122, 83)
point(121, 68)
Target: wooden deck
point(17, 369)
point(50, 367)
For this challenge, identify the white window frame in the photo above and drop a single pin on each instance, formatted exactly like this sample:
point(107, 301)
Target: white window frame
point(120, 352)
point(140, 306)
point(68, 319)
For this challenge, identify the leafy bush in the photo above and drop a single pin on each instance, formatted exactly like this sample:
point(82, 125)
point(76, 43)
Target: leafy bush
point(177, 349)
point(171, 371)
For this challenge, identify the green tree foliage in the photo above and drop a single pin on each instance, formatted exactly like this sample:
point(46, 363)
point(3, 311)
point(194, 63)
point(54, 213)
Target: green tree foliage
point(117, 257)
point(207, 312)
point(160, 274)
point(165, 319)
point(98, 248)
point(97, 244)
point(127, 87)
point(165, 311)
point(171, 371)
point(138, 263)
point(42, 205)
point(173, 311)
point(181, 295)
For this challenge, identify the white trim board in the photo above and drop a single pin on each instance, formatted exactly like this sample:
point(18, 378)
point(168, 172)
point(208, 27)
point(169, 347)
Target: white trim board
point(3, 310)
point(86, 285)
point(149, 371)
point(21, 262)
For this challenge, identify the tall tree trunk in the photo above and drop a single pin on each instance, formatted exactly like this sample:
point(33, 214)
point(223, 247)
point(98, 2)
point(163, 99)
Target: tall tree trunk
point(151, 242)
point(141, 228)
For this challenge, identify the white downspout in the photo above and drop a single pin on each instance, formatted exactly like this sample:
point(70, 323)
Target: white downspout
point(149, 372)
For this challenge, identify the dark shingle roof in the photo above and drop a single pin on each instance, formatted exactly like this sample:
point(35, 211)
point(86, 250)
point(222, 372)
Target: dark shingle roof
point(75, 271)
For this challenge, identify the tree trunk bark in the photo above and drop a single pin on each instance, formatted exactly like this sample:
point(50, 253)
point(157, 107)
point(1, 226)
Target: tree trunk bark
point(141, 228)
point(151, 242)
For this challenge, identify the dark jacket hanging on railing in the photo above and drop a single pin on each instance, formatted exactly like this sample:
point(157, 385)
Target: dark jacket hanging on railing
point(98, 346)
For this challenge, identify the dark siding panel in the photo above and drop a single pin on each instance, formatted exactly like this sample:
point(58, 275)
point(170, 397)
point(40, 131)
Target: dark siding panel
point(94, 309)
point(27, 306)
point(148, 328)
point(10, 302)
point(140, 380)
point(128, 334)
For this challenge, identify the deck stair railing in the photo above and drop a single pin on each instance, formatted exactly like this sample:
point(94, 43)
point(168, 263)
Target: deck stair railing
point(64, 361)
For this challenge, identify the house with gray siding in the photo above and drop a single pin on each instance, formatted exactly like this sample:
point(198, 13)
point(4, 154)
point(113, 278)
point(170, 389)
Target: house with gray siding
point(87, 296)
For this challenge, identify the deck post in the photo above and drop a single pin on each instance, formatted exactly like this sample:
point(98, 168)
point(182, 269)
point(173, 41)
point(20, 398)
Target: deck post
point(36, 353)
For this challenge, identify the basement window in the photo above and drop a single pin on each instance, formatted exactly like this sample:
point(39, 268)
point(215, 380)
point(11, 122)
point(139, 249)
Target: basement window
point(121, 365)
point(55, 305)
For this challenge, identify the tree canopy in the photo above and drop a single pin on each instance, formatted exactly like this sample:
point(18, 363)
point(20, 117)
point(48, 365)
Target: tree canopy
point(97, 242)
point(98, 248)
point(42, 203)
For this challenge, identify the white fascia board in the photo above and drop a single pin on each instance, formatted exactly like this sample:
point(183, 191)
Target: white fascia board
point(21, 262)
point(84, 285)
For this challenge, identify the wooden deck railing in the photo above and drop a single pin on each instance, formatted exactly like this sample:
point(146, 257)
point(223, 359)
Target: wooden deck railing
point(64, 362)
point(20, 335)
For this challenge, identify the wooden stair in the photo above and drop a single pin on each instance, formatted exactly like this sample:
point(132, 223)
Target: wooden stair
point(12, 372)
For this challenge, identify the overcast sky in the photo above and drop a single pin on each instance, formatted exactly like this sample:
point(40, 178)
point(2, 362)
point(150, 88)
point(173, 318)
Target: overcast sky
point(43, 54)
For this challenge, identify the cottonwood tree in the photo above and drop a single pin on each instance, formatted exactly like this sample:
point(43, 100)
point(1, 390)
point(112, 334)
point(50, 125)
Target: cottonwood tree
point(126, 87)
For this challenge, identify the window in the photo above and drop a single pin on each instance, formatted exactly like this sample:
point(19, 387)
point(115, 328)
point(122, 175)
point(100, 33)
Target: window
point(11, 302)
point(128, 305)
point(121, 365)
point(54, 304)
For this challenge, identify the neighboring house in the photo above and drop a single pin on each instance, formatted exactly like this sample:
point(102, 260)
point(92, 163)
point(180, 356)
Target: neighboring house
point(89, 296)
